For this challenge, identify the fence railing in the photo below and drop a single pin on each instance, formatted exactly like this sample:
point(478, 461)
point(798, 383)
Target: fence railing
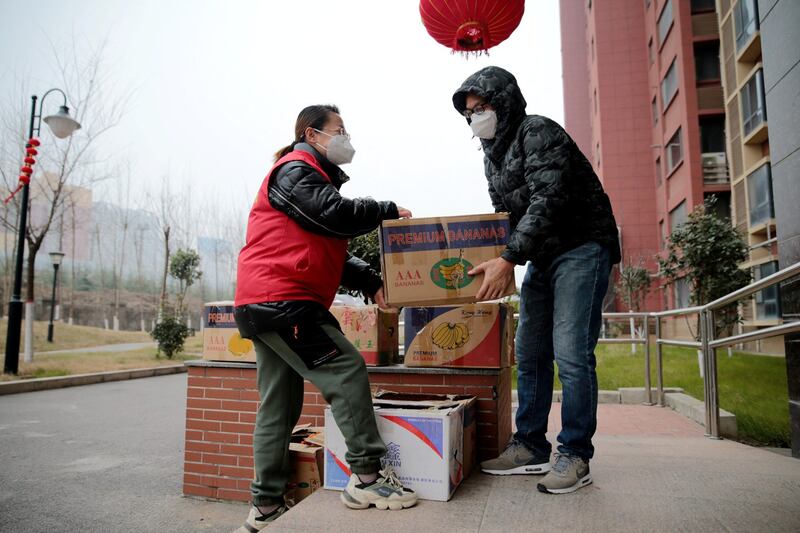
point(707, 343)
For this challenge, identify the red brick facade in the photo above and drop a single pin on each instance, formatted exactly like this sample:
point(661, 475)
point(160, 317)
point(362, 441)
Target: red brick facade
point(222, 399)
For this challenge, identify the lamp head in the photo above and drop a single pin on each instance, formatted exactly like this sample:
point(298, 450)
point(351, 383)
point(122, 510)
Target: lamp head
point(56, 258)
point(62, 124)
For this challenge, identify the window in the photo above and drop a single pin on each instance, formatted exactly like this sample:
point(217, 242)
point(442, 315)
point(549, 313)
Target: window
point(703, 6)
point(706, 61)
point(712, 133)
point(669, 85)
point(674, 151)
point(682, 293)
point(650, 55)
point(594, 99)
point(658, 171)
point(745, 15)
point(759, 195)
point(767, 300)
point(678, 216)
point(592, 49)
point(654, 109)
point(754, 110)
point(662, 235)
point(665, 22)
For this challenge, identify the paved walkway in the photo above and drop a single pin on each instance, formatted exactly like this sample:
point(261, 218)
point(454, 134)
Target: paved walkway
point(109, 457)
point(110, 348)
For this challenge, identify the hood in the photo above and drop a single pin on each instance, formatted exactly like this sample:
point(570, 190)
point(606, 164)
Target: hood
point(499, 87)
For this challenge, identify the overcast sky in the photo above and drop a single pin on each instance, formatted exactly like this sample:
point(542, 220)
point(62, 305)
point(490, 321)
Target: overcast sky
point(218, 85)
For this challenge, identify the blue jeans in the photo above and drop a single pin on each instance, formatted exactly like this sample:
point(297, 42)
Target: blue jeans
point(560, 313)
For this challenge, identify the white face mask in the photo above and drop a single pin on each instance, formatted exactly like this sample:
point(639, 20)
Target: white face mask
point(339, 150)
point(484, 125)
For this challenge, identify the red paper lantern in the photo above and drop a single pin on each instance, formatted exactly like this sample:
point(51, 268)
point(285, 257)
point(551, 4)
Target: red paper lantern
point(33, 141)
point(25, 180)
point(471, 25)
point(30, 161)
point(31, 151)
point(26, 170)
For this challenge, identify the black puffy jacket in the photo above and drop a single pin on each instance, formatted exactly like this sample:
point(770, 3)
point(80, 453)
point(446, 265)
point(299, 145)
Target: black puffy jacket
point(537, 173)
point(301, 192)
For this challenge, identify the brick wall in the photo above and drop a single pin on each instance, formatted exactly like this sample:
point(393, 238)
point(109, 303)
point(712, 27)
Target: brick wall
point(222, 400)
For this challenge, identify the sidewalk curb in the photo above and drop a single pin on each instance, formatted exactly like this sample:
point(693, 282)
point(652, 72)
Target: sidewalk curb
point(31, 385)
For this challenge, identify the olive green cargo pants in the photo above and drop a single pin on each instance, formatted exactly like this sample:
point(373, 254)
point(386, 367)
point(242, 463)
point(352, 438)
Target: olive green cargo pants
point(343, 383)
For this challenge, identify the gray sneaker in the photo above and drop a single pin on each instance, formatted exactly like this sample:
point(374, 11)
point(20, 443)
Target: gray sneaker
point(517, 459)
point(569, 474)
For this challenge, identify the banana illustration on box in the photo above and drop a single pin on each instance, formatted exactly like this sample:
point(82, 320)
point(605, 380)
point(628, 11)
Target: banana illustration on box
point(453, 274)
point(239, 346)
point(449, 336)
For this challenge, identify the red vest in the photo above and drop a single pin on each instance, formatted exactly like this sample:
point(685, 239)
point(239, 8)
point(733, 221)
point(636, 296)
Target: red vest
point(281, 260)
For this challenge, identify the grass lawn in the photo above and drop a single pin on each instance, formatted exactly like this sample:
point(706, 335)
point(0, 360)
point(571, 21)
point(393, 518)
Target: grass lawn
point(752, 387)
point(67, 337)
point(44, 366)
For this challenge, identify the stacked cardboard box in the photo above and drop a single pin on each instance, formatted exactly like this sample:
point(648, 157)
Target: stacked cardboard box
point(221, 339)
point(466, 336)
point(372, 330)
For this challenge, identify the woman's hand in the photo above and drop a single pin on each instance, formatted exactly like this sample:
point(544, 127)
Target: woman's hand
point(497, 276)
point(380, 299)
point(403, 212)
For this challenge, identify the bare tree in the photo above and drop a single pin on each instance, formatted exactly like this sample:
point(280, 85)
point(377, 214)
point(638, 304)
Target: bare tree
point(73, 161)
point(166, 222)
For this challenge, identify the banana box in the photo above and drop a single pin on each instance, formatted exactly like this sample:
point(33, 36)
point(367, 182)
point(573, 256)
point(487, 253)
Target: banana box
point(425, 260)
point(464, 336)
point(221, 339)
point(372, 330)
point(430, 441)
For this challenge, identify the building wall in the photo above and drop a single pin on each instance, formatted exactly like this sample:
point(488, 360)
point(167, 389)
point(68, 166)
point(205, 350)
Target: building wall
point(606, 107)
point(575, 74)
point(780, 35)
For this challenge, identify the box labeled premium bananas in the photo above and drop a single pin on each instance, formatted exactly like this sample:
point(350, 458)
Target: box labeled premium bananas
point(425, 260)
point(372, 330)
point(464, 336)
point(221, 339)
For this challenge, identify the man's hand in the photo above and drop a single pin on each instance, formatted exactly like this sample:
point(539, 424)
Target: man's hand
point(497, 276)
point(403, 212)
point(380, 300)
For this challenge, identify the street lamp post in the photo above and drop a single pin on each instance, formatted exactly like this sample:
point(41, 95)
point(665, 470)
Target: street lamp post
point(56, 258)
point(62, 125)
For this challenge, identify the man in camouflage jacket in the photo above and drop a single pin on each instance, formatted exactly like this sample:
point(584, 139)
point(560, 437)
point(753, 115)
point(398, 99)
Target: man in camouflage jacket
point(564, 229)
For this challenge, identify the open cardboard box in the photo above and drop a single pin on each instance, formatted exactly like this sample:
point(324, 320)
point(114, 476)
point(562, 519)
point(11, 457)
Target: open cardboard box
point(431, 441)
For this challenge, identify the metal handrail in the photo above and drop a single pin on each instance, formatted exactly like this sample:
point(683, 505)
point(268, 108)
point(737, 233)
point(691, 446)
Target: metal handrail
point(763, 283)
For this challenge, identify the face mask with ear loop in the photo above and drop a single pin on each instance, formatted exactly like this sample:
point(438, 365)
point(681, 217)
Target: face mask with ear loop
point(339, 150)
point(484, 126)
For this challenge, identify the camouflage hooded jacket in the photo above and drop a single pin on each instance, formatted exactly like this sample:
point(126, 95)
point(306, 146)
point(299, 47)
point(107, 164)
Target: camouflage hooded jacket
point(537, 173)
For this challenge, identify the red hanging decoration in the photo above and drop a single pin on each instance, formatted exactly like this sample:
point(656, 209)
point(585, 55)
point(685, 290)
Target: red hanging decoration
point(31, 152)
point(471, 26)
point(33, 141)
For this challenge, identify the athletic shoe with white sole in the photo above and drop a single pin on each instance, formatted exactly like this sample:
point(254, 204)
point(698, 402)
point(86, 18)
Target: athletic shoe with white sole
point(517, 459)
point(256, 521)
point(569, 473)
point(386, 492)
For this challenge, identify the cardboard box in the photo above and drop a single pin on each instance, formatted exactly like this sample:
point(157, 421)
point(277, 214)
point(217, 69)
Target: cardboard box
point(372, 330)
point(221, 339)
point(307, 459)
point(430, 440)
point(425, 260)
point(465, 336)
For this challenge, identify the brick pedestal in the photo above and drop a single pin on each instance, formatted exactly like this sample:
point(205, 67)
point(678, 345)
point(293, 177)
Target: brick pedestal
point(222, 400)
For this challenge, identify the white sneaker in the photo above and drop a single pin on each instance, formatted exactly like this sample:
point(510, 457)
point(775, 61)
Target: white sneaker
point(256, 521)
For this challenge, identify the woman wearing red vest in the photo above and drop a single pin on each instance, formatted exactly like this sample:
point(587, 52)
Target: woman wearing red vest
point(294, 260)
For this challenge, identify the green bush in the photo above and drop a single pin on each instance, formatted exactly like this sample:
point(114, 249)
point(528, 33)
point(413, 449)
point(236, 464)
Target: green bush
point(170, 334)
